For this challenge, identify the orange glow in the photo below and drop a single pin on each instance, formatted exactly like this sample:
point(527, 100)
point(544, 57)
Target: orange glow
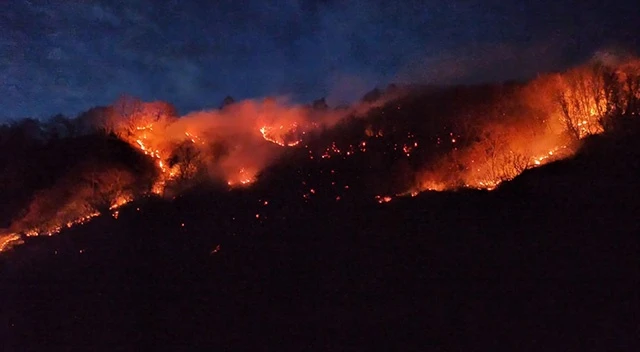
point(120, 201)
point(238, 133)
point(278, 135)
point(383, 199)
point(534, 125)
point(54, 229)
point(243, 178)
point(8, 240)
point(546, 118)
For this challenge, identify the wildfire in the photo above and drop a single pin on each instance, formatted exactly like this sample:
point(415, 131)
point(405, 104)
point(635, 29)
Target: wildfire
point(244, 178)
point(120, 201)
point(545, 158)
point(281, 136)
point(490, 173)
point(541, 128)
point(430, 186)
point(9, 240)
point(60, 223)
point(57, 228)
point(194, 138)
point(148, 151)
point(383, 199)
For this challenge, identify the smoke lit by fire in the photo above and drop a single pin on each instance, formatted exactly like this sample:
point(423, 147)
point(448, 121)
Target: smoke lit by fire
point(529, 126)
point(233, 144)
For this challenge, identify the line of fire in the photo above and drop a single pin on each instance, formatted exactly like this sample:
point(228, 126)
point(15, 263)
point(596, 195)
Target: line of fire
point(402, 141)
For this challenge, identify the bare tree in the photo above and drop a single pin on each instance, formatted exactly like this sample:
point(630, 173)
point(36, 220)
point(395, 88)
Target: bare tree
point(127, 112)
point(582, 101)
point(513, 164)
point(187, 158)
point(494, 147)
point(495, 159)
point(106, 186)
point(632, 89)
point(540, 99)
point(621, 93)
point(569, 116)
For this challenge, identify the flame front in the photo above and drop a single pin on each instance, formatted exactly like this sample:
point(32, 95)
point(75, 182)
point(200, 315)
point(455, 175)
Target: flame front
point(279, 135)
point(525, 128)
point(544, 122)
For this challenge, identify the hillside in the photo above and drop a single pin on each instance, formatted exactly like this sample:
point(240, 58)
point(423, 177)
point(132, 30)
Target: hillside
point(499, 216)
point(546, 261)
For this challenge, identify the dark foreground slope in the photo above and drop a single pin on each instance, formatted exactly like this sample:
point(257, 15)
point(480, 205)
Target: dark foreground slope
point(547, 262)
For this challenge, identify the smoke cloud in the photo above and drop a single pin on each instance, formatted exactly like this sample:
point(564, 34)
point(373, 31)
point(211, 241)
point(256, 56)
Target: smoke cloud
point(234, 143)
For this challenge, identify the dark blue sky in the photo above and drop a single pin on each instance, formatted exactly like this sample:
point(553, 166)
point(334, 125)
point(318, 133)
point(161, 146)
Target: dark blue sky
point(67, 56)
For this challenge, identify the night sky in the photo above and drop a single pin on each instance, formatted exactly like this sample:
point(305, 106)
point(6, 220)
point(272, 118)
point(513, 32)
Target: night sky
point(64, 56)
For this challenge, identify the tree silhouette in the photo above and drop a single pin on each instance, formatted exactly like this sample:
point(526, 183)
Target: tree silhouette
point(188, 159)
point(582, 101)
point(228, 100)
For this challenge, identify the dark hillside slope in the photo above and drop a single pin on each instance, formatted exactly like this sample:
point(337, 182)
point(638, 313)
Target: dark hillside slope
point(549, 261)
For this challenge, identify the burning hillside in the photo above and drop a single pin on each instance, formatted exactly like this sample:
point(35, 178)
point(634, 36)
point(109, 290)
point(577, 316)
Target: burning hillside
point(536, 124)
point(232, 144)
point(474, 137)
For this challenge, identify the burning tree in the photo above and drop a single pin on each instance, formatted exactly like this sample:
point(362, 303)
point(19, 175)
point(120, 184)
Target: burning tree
point(108, 187)
point(594, 99)
point(76, 178)
point(51, 209)
point(188, 160)
point(495, 159)
point(622, 91)
point(130, 116)
point(582, 101)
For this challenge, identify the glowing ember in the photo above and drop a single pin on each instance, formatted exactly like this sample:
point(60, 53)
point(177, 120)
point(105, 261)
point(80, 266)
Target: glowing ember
point(244, 178)
point(383, 199)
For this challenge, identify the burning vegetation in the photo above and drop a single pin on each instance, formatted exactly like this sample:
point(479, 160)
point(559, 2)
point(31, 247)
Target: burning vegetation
point(65, 172)
point(535, 123)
